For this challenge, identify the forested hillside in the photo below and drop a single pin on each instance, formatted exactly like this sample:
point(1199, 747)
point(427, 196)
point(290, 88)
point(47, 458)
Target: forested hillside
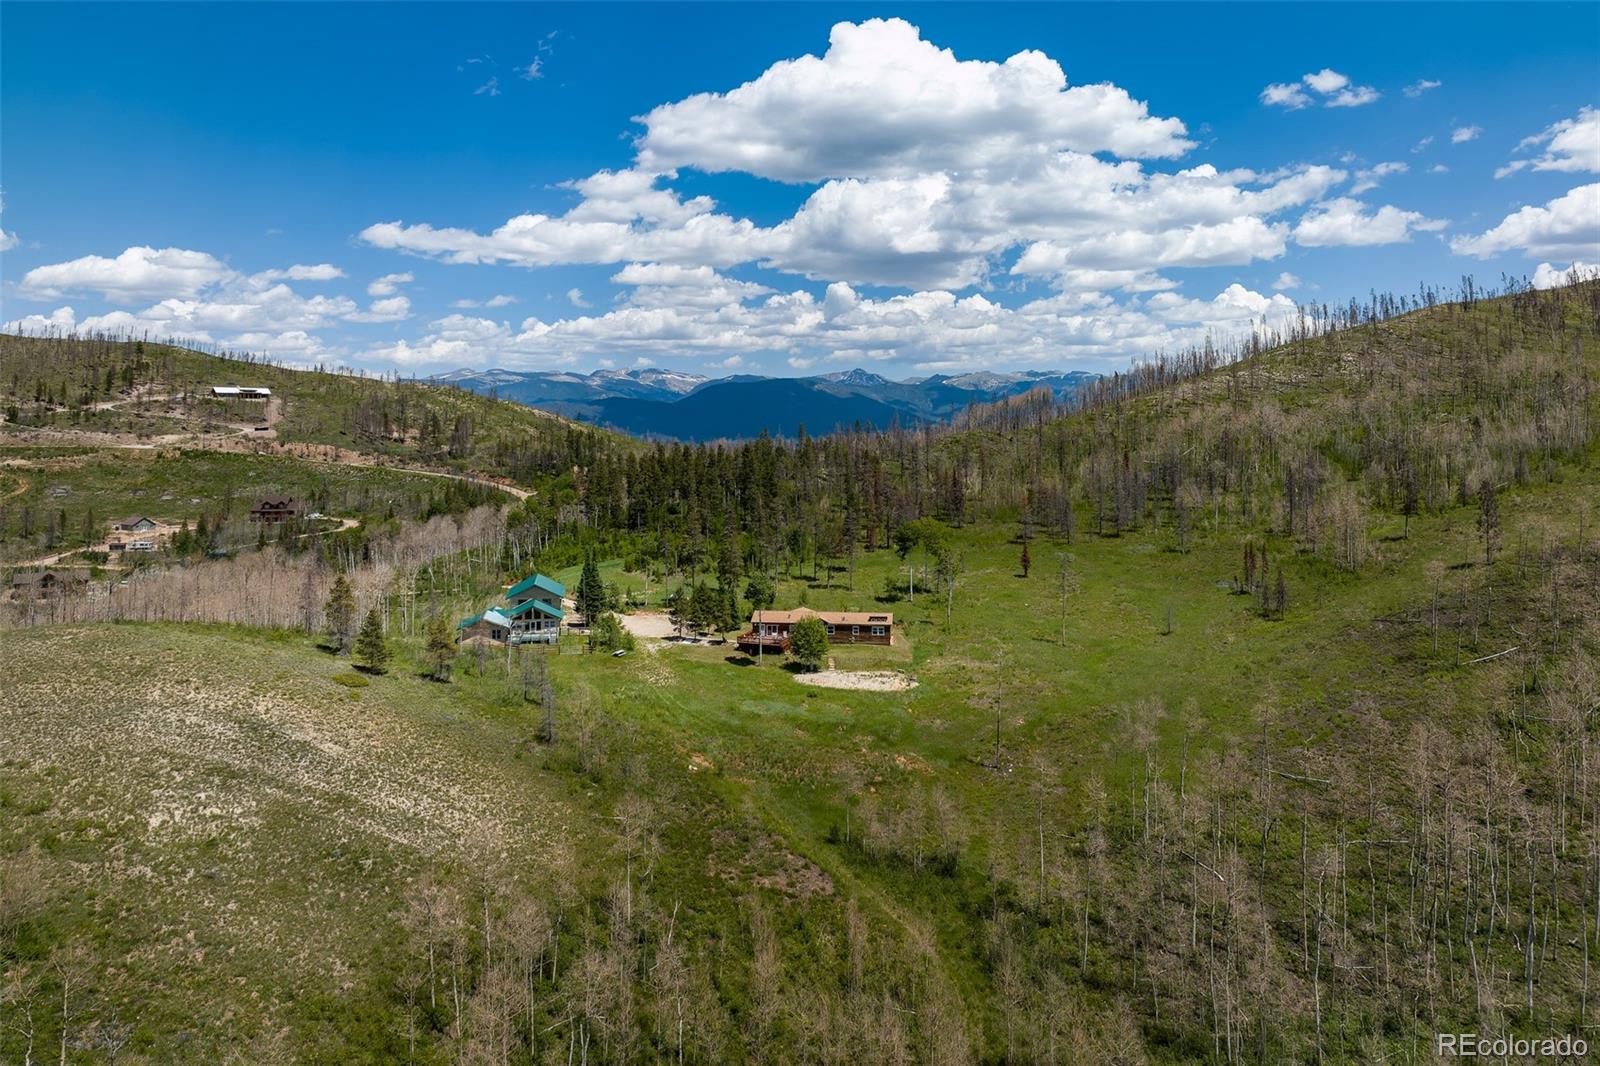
point(1247, 715)
point(1316, 438)
point(143, 391)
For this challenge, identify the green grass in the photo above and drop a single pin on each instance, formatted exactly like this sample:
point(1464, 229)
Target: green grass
point(288, 869)
point(794, 758)
point(236, 858)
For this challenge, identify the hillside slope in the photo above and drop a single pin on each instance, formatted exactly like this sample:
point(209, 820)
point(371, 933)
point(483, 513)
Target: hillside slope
point(114, 392)
point(228, 870)
point(1253, 718)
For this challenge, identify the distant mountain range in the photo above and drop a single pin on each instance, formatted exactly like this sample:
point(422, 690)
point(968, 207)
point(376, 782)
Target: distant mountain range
point(652, 402)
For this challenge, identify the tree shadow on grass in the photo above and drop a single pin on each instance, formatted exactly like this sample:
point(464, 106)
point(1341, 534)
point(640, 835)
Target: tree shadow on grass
point(739, 660)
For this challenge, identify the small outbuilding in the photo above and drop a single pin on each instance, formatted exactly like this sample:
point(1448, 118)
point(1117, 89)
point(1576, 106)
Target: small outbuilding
point(490, 625)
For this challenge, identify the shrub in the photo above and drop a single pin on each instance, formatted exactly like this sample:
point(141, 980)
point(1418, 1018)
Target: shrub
point(607, 634)
point(808, 642)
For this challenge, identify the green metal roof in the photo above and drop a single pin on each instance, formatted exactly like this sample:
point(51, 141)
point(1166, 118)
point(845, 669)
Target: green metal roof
point(537, 581)
point(493, 616)
point(534, 605)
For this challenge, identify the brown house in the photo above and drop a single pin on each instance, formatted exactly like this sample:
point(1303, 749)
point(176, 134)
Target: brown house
point(769, 630)
point(277, 509)
point(41, 584)
point(134, 524)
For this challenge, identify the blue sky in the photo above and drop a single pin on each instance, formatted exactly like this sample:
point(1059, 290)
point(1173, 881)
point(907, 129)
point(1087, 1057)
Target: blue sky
point(776, 188)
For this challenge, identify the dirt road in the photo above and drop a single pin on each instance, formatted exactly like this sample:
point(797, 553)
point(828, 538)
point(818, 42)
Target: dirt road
point(653, 626)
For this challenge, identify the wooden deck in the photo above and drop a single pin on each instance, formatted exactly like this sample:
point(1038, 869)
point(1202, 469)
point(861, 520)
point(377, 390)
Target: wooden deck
point(752, 643)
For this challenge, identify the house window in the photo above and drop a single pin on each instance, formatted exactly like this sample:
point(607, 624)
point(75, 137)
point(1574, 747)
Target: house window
point(830, 631)
point(877, 631)
point(855, 631)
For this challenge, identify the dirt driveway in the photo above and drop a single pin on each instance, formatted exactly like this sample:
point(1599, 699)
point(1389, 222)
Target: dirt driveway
point(651, 624)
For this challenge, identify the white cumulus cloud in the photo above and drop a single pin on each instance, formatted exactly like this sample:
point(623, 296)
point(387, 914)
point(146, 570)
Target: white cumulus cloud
point(884, 102)
point(925, 330)
point(303, 272)
point(1347, 222)
point(1571, 145)
point(389, 284)
point(501, 300)
point(1567, 227)
point(8, 241)
point(1329, 86)
point(1548, 276)
point(1369, 178)
point(138, 272)
point(388, 309)
point(928, 170)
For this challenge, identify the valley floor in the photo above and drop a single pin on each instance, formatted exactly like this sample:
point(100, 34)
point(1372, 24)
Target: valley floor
point(228, 823)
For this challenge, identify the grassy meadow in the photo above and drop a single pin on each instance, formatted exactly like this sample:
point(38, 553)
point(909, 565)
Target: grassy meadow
point(244, 846)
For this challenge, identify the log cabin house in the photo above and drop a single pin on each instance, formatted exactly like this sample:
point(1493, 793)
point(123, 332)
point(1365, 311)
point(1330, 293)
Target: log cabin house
point(277, 509)
point(769, 630)
point(134, 524)
point(43, 584)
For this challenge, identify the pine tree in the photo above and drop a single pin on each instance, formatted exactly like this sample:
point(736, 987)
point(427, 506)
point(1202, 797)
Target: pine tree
point(1488, 521)
point(1412, 502)
point(729, 619)
point(591, 595)
point(340, 612)
point(372, 653)
point(759, 592)
point(705, 607)
point(678, 610)
point(441, 647)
